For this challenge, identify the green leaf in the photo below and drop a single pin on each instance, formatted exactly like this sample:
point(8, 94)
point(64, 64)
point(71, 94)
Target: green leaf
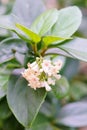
point(44, 126)
point(61, 88)
point(45, 22)
point(71, 68)
point(11, 124)
point(32, 36)
point(68, 22)
point(78, 90)
point(3, 85)
point(21, 36)
point(42, 123)
point(48, 109)
point(77, 48)
point(6, 22)
point(4, 110)
point(24, 101)
point(5, 71)
point(40, 119)
point(73, 114)
point(9, 47)
point(51, 39)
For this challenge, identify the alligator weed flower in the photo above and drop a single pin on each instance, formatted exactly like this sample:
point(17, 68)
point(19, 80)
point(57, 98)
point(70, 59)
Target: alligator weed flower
point(42, 73)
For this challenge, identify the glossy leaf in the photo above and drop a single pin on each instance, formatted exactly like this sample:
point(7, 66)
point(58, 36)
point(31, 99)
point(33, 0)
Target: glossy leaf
point(68, 22)
point(27, 12)
point(33, 36)
point(3, 84)
point(57, 51)
point(6, 22)
point(77, 48)
point(73, 114)
point(9, 47)
point(24, 101)
point(45, 22)
point(71, 68)
point(61, 88)
point(51, 39)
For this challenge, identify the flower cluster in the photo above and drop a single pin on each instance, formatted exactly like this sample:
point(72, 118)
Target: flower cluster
point(42, 73)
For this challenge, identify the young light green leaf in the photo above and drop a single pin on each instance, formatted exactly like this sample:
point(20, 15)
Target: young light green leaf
point(45, 21)
point(68, 22)
point(61, 88)
point(51, 39)
point(32, 36)
point(24, 101)
point(21, 36)
point(16, 32)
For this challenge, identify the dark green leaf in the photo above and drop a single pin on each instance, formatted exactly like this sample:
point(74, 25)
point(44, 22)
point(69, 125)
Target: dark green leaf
point(68, 22)
point(4, 110)
point(48, 109)
point(45, 21)
point(45, 126)
point(32, 36)
point(42, 123)
point(24, 101)
point(11, 124)
point(73, 114)
point(61, 88)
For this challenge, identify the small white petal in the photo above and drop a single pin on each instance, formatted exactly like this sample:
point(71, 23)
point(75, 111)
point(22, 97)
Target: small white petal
point(48, 88)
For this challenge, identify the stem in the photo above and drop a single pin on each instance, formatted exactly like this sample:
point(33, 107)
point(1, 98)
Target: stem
point(35, 48)
point(43, 52)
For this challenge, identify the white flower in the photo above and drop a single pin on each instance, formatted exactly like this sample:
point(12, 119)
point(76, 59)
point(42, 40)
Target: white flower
point(46, 66)
point(51, 81)
point(34, 82)
point(42, 73)
point(46, 85)
point(58, 64)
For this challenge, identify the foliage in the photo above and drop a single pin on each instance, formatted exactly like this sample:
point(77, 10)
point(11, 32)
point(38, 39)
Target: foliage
point(49, 35)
